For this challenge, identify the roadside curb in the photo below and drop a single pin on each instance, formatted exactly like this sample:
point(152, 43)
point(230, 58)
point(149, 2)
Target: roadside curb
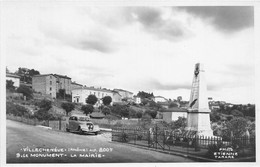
point(193, 157)
point(44, 127)
point(105, 129)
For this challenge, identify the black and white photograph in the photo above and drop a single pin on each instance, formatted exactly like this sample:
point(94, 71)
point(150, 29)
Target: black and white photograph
point(86, 83)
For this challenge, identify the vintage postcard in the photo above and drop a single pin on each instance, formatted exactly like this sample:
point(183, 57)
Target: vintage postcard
point(141, 83)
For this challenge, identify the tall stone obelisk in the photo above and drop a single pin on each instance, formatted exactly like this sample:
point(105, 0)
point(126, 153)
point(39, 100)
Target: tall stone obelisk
point(198, 116)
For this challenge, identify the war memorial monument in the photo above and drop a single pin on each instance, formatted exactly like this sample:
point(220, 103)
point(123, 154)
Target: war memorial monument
point(198, 114)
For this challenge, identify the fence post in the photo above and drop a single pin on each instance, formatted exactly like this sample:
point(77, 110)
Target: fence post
point(197, 141)
point(60, 124)
point(135, 135)
point(156, 136)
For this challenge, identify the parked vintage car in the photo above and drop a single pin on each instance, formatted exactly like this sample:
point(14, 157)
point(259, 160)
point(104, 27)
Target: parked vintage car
point(81, 124)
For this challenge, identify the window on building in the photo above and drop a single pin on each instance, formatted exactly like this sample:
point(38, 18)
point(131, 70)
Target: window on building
point(50, 82)
point(50, 88)
point(102, 94)
point(94, 93)
point(50, 77)
point(98, 94)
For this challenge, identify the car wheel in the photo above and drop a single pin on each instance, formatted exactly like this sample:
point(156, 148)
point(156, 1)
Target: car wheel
point(80, 131)
point(67, 129)
point(96, 133)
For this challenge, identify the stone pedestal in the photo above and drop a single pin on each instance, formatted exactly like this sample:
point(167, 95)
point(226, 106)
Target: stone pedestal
point(198, 116)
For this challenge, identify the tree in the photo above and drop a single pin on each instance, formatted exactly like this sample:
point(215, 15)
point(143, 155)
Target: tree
point(214, 116)
point(68, 107)
point(238, 126)
point(92, 99)
point(26, 91)
point(143, 94)
point(26, 74)
point(107, 100)
point(10, 85)
point(237, 113)
point(106, 110)
point(145, 101)
point(87, 109)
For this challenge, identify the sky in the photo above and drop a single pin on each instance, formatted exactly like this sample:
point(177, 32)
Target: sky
point(136, 48)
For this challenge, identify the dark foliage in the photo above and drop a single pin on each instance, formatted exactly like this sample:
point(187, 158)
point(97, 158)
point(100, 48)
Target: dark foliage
point(26, 91)
point(10, 85)
point(87, 109)
point(107, 100)
point(15, 109)
point(68, 107)
point(143, 94)
point(92, 99)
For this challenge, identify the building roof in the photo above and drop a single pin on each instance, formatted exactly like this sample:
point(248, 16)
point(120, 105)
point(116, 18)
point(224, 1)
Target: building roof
point(62, 76)
point(76, 83)
point(175, 109)
point(12, 75)
point(121, 90)
point(95, 89)
point(42, 75)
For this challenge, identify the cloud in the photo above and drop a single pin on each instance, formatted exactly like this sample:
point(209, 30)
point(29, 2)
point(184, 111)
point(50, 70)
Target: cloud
point(224, 18)
point(89, 39)
point(157, 85)
point(153, 22)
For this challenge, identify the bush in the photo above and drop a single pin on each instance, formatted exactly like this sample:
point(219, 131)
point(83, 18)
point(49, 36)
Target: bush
point(172, 104)
point(15, 109)
point(139, 114)
point(43, 114)
point(45, 104)
point(106, 110)
point(121, 110)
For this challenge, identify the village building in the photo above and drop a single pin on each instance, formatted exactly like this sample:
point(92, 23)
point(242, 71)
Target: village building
point(50, 84)
point(45, 84)
point(15, 78)
point(137, 99)
point(125, 94)
point(80, 95)
point(172, 114)
point(75, 85)
point(63, 82)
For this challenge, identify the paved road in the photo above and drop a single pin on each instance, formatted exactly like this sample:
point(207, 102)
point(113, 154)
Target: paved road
point(20, 136)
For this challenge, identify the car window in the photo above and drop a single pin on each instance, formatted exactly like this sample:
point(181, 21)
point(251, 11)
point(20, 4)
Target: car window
point(83, 119)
